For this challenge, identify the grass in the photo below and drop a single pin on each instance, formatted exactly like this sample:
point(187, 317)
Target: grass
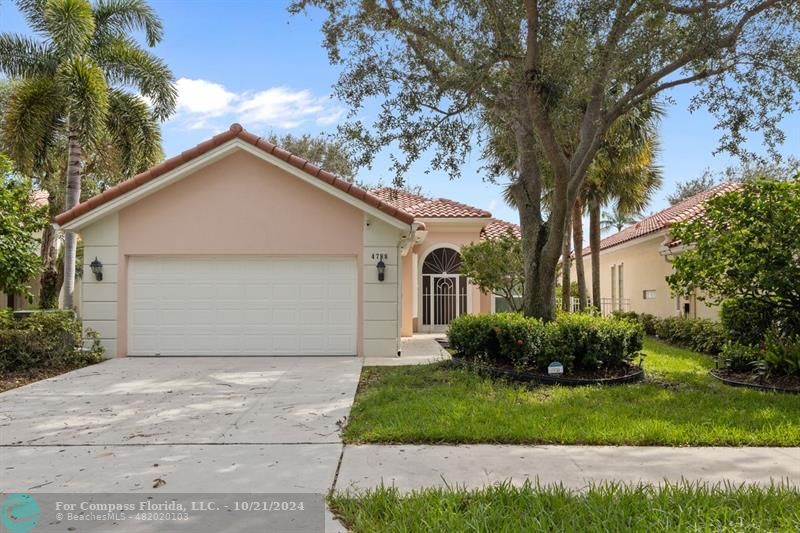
point(603, 508)
point(678, 405)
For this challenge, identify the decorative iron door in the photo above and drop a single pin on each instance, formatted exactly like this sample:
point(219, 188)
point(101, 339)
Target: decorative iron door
point(444, 290)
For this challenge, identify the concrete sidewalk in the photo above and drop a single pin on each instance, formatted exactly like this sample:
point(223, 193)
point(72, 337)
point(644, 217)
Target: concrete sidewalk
point(421, 349)
point(411, 467)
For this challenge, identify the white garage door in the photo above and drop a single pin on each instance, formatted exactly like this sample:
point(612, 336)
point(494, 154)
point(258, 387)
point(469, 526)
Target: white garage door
point(241, 306)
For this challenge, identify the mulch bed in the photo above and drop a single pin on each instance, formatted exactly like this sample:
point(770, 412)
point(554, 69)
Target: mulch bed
point(629, 374)
point(753, 381)
point(12, 380)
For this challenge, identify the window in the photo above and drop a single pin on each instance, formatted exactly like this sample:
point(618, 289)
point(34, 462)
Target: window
point(649, 294)
point(501, 304)
point(613, 286)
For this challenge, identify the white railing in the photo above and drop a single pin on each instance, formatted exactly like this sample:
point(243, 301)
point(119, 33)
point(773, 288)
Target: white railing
point(607, 305)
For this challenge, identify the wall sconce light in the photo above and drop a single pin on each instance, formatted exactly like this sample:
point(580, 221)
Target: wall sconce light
point(97, 269)
point(381, 266)
point(381, 270)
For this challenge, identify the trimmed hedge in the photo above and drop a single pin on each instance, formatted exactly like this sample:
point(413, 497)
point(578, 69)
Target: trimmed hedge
point(53, 339)
point(697, 334)
point(578, 341)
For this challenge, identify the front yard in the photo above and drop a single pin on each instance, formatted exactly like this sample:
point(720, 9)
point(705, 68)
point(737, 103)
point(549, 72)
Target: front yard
point(602, 508)
point(678, 405)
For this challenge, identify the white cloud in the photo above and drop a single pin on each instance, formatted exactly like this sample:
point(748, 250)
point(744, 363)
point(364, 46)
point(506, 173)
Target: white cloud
point(203, 104)
point(201, 97)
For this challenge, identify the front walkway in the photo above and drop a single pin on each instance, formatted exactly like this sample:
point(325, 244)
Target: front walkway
point(410, 467)
point(420, 349)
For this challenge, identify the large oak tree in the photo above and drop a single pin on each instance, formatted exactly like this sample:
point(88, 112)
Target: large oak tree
point(551, 77)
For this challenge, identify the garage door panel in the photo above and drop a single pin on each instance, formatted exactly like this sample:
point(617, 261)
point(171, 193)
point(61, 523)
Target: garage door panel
point(242, 306)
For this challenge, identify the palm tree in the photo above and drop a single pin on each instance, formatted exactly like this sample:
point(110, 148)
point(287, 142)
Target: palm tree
point(617, 219)
point(624, 173)
point(71, 86)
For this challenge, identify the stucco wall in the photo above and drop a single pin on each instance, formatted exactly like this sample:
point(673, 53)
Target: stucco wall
point(644, 268)
point(381, 318)
point(98, 307)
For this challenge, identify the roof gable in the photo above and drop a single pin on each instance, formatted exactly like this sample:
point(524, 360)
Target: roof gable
point(367, 200)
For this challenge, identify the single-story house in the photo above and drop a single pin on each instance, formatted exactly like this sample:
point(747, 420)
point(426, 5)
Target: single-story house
point(635, 263)
point(237, 247)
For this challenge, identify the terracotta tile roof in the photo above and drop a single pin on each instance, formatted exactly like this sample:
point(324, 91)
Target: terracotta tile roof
point(424, 207)
point(235, 131)
point(687, 209)
point(498, 228)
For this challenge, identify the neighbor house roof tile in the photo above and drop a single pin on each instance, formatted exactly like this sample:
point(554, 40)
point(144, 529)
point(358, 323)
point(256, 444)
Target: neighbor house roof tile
point(234, 132)
point(687, 209)
point(498, 228)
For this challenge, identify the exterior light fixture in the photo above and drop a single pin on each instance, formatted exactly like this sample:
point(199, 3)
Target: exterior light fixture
point(97, 269)
point(381, 266)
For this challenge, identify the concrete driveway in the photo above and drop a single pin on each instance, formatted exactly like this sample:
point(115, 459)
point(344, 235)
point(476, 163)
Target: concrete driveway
point(199, 424)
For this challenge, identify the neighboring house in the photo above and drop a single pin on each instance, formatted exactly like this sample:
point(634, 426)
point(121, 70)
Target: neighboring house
point(635, 263)
point(237, 247)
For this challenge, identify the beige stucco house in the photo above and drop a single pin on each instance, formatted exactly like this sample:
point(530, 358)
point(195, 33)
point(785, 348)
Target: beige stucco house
point(237, 247)
point(635, 262)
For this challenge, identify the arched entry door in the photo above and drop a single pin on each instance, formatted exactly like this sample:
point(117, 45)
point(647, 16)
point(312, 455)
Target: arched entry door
point(444, 289)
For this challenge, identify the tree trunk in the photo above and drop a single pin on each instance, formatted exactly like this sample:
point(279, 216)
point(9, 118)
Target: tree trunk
point(577, 243)
point(566, 275)
point(542, 241)
point(72, 198)
point(48, 281)
point(594, 244)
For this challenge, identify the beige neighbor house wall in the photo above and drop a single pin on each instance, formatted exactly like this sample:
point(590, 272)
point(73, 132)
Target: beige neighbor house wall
point(447, 233)
point(243, 205)
point(644, 268)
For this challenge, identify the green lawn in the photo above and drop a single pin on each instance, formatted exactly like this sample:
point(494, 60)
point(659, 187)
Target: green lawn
point(679, 404)
point(602, 508)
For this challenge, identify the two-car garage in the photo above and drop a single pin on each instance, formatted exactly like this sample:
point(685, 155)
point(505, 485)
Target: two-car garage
point(242, 305)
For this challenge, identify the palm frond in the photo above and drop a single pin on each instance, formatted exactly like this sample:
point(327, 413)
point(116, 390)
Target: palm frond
point(31, 116)
point(119, 17)
point(70, 25)
point(21, 56)
point(134, 131)
point(126, 63)
point(87, 91)
point(33, 11)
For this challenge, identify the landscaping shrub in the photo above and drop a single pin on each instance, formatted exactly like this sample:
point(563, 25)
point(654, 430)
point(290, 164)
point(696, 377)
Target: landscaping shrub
point(738, 357)
point(781, 355)
point(46, 340)
point(518, 337)
point(746, 321)
point(474, 335)
point(647, 321)
point(6, 316)
point(578, 341)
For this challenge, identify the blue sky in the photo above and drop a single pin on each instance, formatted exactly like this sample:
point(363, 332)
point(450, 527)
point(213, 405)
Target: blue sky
point(249, 61)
